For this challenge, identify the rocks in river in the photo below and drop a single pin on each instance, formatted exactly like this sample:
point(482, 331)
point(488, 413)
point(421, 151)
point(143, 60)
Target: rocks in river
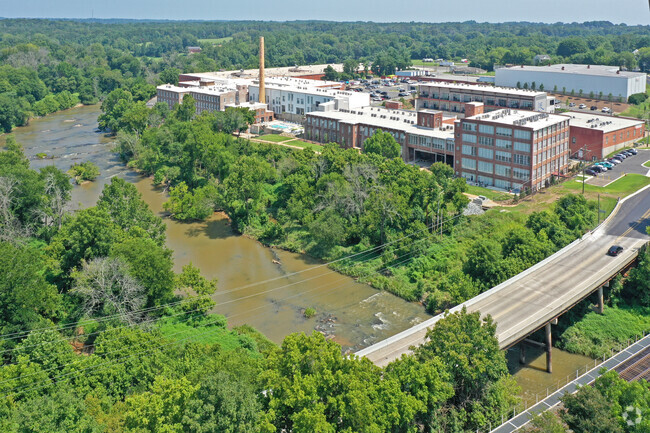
point(326, 325)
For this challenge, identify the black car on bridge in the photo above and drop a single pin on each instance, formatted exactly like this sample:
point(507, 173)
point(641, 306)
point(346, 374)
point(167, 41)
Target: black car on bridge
point(614, 250)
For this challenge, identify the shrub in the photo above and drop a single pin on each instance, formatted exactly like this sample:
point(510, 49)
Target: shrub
point(637, 98)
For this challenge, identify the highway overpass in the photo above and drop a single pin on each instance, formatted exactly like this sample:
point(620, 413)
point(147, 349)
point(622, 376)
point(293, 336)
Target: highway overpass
point(536, 297)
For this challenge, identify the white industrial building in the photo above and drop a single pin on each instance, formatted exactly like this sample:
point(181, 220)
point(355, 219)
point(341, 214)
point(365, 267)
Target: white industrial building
point(600, 79)
point(297, 96)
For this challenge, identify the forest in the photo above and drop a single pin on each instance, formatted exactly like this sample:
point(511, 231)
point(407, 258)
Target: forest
point(49, 65)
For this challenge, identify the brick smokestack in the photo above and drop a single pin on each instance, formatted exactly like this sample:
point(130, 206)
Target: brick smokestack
point(262, 97)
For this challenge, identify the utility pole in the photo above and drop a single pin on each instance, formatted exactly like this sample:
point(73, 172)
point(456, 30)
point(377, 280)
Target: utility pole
point(598, 209)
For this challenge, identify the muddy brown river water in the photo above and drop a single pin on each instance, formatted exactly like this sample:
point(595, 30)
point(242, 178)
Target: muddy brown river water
point(354, 315)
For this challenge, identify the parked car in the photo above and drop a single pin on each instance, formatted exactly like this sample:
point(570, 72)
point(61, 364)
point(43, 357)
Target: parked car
point(614, 161)
point(598, 168)
point(633, 151)
point(615, 250)
point(606, 110)
point(582, 106)
point(572, 104)
point(404, 94)
point(594, 107)
point(627, 153)
point(606, 164)
point(590, 172)
point(620, 155)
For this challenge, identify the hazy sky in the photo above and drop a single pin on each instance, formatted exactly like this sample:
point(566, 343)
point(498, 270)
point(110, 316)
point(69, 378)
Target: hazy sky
point(616, 11)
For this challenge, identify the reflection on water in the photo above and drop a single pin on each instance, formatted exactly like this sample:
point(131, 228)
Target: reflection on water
point(355, 315)
point(533, 378)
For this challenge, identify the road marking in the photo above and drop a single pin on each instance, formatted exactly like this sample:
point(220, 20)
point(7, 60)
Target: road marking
point(635, 224)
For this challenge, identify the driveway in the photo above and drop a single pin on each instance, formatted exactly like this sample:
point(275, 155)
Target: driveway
point(632, 164)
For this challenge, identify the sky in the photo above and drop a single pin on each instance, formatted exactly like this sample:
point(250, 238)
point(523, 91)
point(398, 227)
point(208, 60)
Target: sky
point(616, 11)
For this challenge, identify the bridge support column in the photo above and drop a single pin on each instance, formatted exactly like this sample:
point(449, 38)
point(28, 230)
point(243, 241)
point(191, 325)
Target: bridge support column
point(549, 348)
point(522, 353)
point(601, 301)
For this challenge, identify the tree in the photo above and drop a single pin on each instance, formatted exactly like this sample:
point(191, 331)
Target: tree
point(26, 298)
point(151, 265)
point(588, 411)
point(185, 111)
point(350, 67)
point(106, 288)
point(330, 74)
point(197, 288)
point(223, 403)
point(382, 143)
point(113, 108)
point(161, 409)
point(637, 286)
point(84, 172)
point(169, 76)
point(571, 46)
point(546, 422)
point(126, 208)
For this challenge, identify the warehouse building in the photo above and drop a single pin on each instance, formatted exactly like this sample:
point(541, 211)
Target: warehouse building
point(593, 137)
point(425, 135)
point(511, 149)
point(599, 79)
point(453, 97)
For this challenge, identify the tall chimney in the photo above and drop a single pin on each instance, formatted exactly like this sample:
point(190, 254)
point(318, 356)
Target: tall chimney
point(262, 97)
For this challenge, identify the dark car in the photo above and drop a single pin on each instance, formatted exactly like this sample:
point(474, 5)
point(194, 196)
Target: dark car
point(594, 107)
point(627, 153)
point(620, 155)
point(598, 168)
point(633, 151)
point(616, 158)
point(590, 172)
point(614, 250)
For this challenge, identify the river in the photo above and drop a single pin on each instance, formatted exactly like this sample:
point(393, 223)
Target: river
point(354, 315)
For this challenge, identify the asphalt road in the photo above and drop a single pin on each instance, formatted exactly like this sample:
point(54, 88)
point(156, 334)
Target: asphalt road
point(529, 300)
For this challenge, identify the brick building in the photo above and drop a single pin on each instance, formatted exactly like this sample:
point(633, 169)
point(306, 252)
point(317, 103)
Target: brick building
point(511, 149)
point(425, 135)
point(452, 97)
point(595, 136)
point(211, 98)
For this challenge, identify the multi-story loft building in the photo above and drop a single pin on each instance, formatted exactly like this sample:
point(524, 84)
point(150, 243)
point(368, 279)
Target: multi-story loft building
point(452, 97)
point(600, 80)
point(424, 135)
point(512, 149)
point(299, 96)
point(595, 136)
point(211, 98)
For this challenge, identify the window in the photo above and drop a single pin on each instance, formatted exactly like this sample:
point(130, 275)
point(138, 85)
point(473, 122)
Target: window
point(486, 153)
point(523, 134)
point(573, 140)
point(502, 170)
point(503, 184)
point(469, 138)
point(486, 129)
point(469, 150)
point(469, 126)
point(485, 167)
point(487, 181)
point(506, 132)
point(504, 144)
point(468, 176)
point(469, 163)
point(521, 159)
point(522, 147)
point(503, 156)
point(485, 141)
point(519, 173)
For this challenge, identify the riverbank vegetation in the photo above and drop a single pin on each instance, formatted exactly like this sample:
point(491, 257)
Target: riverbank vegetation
point(94, 337)
point(83, 172)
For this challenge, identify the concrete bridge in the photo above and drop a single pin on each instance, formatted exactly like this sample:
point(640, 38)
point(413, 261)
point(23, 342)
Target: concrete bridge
point(535, 298)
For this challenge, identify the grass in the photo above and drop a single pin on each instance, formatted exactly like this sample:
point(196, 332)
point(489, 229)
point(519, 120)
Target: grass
point(622, 187)
point(646, 164)
point(637, 110)
point(304, 145)
point(595, 334)
point(418, 62)
point(274, 138)
point(216, 40)
point(489, 193)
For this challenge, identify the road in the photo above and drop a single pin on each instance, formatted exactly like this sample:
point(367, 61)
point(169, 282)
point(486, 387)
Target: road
point(543, 292)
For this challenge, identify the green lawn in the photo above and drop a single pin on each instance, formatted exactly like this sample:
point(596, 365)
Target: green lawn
point(489, 193)
point(274, 138)
point(216, 40)
point(304, 145)
point(206, 332)
point(419, 62)
point(646, 164)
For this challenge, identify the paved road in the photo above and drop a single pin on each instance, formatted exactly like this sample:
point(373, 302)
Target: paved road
point(632, 164)
point(529, 300)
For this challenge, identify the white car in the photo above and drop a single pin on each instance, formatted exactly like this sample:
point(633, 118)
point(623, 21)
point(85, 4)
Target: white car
point(582, 106)
point(606, 110)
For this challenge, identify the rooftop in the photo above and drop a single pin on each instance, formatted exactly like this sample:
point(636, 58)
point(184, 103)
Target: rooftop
point(569, 68)
point(401, 120)
point(212, 90)
point(602, 123)
point(508, 116)
point(483, 88)
point(292, 71)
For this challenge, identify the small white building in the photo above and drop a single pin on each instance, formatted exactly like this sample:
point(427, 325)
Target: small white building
point(599, 79)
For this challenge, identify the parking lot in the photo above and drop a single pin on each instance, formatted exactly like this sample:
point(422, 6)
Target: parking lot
point(615, 107)
point(633, 164)
point(392, 92)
